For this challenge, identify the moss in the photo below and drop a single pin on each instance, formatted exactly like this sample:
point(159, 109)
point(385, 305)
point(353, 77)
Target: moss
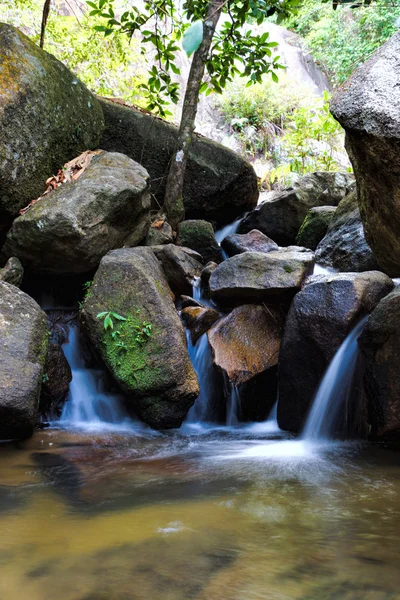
point(288, 269)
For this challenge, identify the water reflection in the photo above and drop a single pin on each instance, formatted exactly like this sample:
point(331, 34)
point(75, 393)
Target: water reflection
point(112, 516)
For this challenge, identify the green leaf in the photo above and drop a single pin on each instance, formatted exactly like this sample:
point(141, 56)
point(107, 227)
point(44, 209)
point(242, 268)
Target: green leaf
point(108, 323)
point(193, 37)
point(118, 317)
point(101, 315)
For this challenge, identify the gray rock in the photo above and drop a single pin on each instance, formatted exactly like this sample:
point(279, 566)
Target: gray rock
point(368, 107)
point(56, 379)
point(199, 235)
point(180, 265)
point(154, 371)
point(189, 301)
point(254, 241)
point(158, 236)
point(281, 215)
point(47, 116)
point(315, 226)
point(260, 277)
point(12, 272)
point(380, 344)
point(70, 229)
point(23, 347)
point(319, 319)
point(344, 247)
point(219, 184)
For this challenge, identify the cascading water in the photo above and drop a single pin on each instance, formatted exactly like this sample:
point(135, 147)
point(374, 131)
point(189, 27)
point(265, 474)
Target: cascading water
point(88, 402)
point(202, 361)
point(233, 407)
point(334, 390)
point(221, 234)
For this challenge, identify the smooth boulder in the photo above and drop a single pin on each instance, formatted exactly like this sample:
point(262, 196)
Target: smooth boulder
point(70, 229)
point(254, 241)
point(181, 266)
point(260, 277)
point(198, 320)
point(23, 348)
point(281, 214)
point(315, 226)
point(245, 346)
point(47, 116)
point(198, 235)
point(148, 358)
point(367, 105)
point(380, 345)
point(219, 184)
point(344, 247)
point(322, 314)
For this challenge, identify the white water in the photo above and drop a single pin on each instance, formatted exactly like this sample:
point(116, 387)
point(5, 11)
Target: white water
point(230, 229)
point(334, 390)
point(88, 403)
point(233, 408)
point(202, 361)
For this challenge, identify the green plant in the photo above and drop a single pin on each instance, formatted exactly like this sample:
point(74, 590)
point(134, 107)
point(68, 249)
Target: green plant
point(108, 319)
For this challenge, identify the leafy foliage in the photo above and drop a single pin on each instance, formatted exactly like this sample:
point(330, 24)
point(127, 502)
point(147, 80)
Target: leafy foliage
point(108, 318)
point(342, 39)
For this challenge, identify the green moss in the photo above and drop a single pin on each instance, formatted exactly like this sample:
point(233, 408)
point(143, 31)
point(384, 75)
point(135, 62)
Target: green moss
point(288, 269)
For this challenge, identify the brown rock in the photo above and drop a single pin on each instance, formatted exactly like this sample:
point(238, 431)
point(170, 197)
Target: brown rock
point(199, 320)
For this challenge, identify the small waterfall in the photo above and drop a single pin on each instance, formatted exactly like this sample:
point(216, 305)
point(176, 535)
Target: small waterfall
point(230, 229)
point(202, 361)
point(334, 389)
point(88, 402)
point(233, 408)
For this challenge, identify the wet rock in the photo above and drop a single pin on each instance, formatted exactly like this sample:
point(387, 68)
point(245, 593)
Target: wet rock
point(219, 184)
point(344, 247)
point(57, 376)
point(23, 347)
point(254, 241)
point(245, 345)
point(160, 234)
point(73, 227)
point(189, 301)
point(367, 105)
point(259, 277)
point(180, 265)
point(315, 226)
point(12, 272)
point(207, 272)
point(319, 319)
point(199, 236)
point(199, 320)
point(380, 344)
point(281, 215)
point(47, 116)
point(148, 358)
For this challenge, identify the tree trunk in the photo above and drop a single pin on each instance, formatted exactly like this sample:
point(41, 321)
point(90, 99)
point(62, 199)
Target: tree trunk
point(45, 16)
point(173, 200)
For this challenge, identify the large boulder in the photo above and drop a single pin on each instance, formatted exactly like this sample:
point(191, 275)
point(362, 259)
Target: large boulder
point(319, 319)
point(315, 226)
point(70, 229)
point(47, 116)
point(147, 353)
point(380, 344)
point(23, 347)
point(254, 241)
point(281, 215)
point(245, 346)
point(367, 105)
point(261, 277)
point(219, 184)
point(198, 235)
point(344, 247)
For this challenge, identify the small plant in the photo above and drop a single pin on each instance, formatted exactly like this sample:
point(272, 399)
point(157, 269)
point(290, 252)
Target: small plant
point(87, 287)
point(108, 319)
point(143, 332)
point(45, 378)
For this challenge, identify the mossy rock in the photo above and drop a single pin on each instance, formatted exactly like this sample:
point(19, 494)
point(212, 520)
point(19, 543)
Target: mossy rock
point(47, 117)
point(153, 369)
point(315, 226)
point(198, 235)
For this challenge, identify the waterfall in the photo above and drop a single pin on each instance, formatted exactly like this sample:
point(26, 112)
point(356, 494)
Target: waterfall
point(221, 234)
point(88, 401)
point(334, 389)
point(202, 361)
point(233, 408)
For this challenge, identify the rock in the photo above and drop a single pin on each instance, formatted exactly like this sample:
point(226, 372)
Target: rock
point(207, 272)
point(198, 320)
point(199, 236)
point(153, 370)
point(281, 215)
point(56, 379)
point(367, 105)
point(260, 277)
point(344, 247)
point(47, 116)
point(254, 241)
point(73, 227)
point(180, 265)
point(245, 345)
point(319, 319)
point(12, 272)
point(380, 345)
point(315, 226)
point(23, 347)
point(189, 301)
point(159, 235)
point(219, 184)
